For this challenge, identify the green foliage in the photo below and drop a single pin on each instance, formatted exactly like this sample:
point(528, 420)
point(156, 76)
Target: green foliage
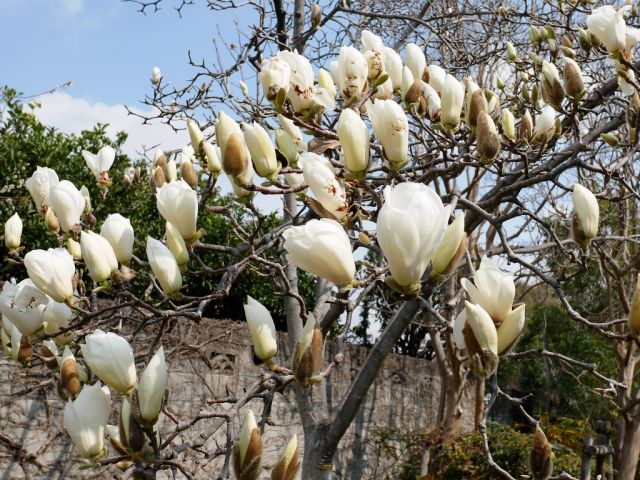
point(463, 456)
point(25, 143)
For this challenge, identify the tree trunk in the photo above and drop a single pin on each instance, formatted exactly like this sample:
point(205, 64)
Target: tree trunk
point(630, 450)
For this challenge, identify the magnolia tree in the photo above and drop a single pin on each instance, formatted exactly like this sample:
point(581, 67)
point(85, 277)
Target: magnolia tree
point(446, 158)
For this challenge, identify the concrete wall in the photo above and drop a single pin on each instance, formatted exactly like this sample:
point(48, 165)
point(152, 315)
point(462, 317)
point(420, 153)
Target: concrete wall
point(207, 361)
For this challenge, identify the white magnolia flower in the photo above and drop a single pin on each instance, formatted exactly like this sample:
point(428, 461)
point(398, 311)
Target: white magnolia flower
point(164, 266)
point(156, 75)
point(586, 208)
point(545, 123)
point(449, 245)
point(482, 326)
point(452, 101)
point(152, 386)
point(86, 417)
point(492, 289)
point(225, 128)
point(98, 256)
point(436, 76)
point(13, 232)
point(325, 186)
point(177, 202)
point(393, 66)
point(23, 304)
point(100, 163)
point(301, 91)
point(414, 59)
point(56, 315)
point(176, 244)
point(39, 185)
point(110, 357)
point(11, 338)
point(196, 135)
point(609, 26)
point(67, 203)
point(52, 272)
point(510, 329)
point(321, 247)
point(263, 153)
point(352, 72)
point(262, 329)
point(354, 139)
point(326, 81)
point(275, 75)
point(410, 226)
point(119, 233)
point(391, 126)
point(374, 53)
point(214, 157)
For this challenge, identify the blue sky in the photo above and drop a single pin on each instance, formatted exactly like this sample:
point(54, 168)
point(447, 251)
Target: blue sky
point(105, 46)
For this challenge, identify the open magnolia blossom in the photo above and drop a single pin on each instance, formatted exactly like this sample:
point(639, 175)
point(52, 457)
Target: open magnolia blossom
point(39, 185)
point(23, 305)
point(275, 75)
point(52, 272)
point(85, 419)
point(325, 186)
point(177, 202)
point(492, 289)
point(164, 266)
point(119, 233)
point(302, 93)
point(67, 203)
point(110, 357)
point(152, 387)
point(98, 256)
point(100, 163)
point(13, 232)
point(410, 226)
point(262, 329)
point(321, 247)
point(608, 24)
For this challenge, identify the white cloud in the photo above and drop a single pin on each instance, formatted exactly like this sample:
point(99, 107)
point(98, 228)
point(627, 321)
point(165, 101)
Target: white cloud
point(72, 7)
point(72, 115)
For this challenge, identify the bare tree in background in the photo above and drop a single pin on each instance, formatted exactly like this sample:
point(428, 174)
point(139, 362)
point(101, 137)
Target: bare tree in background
point(546, 104)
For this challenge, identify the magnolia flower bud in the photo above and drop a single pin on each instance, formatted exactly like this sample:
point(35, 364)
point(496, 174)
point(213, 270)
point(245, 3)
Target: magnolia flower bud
point(354, 139)
point(236, 157)
point(450, 249)
point(393, 67)
point(176, 245)
point(307, 354)
point(101, 163)
point(512, 55)
point(86, 417)
point(130, 433)
point(511, 329)
point(319, 175)
point(244, 89)
point(53, 226)
point(49, 354)
point(609, 26)
point(289, 462)
point(434, 76)
point(552, 89)
point(452, 101)
point(508, 124)
point(525, 129)
point(39, 185)
point(225, 128)
point(586, 215)
point(188, 173)
point(67, 203)
point(573, 78)
point(69, 373)
point(158, 177)
point(286, 146)
point(488, 139)
point(545, 128)
point(84, 191)
point(110, 357)
point(152, 387)
point(23, 305)
point(262, 330)
point(74, 249)
point(634, 315)
point(410, 211)
point(196, 135)
point(325, 81)
point(247, 452)
point(414, 59)
point(481, 340)
point(407, 82)
point(178, 204)
point(352, 73)
point(263, 153)
point(584, 39)
point(52, 272)
point(321, 247)
point(477, 104)
point(316, 16)
point(541, 457)
point(11, 339)
point(98, 256)
point(213, 155)
point(156, 76)
point(391, 126)
point(13, 231)
point(275, 75)
point(164, 266)
point(119, 233)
